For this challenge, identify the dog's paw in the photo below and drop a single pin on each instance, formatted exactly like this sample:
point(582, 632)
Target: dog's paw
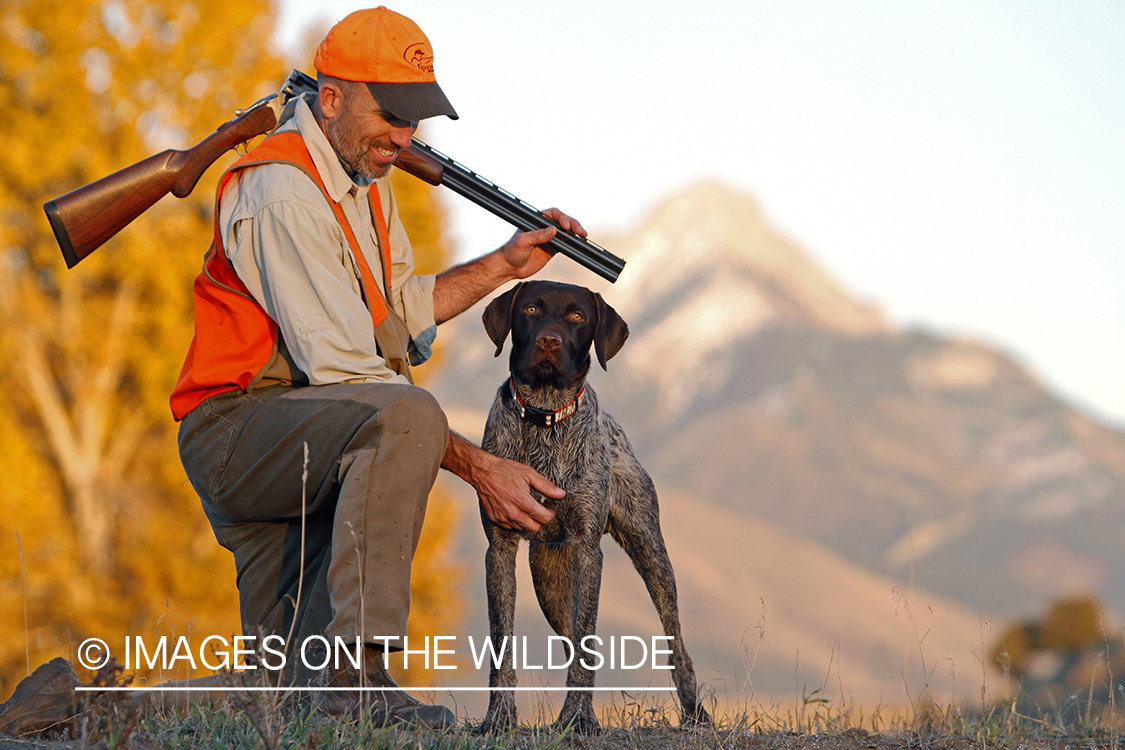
point(498, 722)
point(695, 717)
point(579, 722)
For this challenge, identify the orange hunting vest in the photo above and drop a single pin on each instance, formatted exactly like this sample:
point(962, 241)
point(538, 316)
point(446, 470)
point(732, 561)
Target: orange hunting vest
point(236, 342)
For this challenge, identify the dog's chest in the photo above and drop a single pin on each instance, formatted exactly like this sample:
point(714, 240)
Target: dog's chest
point(572, 453)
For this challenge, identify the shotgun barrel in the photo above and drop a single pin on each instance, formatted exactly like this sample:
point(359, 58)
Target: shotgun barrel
point(429, 164)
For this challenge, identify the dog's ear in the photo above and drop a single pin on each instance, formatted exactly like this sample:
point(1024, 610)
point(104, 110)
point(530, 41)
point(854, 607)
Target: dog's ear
point(498, 316)
point(610, 334)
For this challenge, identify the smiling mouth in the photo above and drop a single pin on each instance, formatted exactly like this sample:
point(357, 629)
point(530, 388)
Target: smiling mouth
point(385, 154)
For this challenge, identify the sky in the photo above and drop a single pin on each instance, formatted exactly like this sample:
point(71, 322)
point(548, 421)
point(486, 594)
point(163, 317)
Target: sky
point(960, 164)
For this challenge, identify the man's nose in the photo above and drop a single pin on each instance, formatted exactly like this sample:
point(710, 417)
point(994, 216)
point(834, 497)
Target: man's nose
point(403, 136)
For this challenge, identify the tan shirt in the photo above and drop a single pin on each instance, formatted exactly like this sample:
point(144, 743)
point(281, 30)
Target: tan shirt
point(287, 247)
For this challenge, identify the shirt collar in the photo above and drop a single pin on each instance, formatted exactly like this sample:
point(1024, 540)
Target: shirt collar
point(336, 180)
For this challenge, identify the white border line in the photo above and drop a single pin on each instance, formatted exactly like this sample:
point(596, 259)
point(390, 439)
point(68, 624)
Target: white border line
point(221, 688)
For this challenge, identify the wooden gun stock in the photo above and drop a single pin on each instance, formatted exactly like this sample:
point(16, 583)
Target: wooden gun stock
point(85, 218)
point(415, 162)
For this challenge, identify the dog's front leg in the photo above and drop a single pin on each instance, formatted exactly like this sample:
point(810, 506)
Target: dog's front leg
point(586, 584)
point(500, 580)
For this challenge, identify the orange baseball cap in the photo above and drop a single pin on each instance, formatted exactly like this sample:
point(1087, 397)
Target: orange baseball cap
point(388, 52)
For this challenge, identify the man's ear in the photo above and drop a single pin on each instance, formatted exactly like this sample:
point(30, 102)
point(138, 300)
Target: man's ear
point(498, 316)
point(610, 333)
point(331, 99)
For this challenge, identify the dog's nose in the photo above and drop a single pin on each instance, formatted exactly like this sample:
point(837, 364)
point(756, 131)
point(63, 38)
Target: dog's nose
point(549, 341)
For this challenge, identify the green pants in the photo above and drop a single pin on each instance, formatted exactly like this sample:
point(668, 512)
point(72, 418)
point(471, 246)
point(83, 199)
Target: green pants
point(373, 454)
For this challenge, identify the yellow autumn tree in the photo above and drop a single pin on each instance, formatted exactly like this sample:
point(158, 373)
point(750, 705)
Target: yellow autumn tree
point(100, 533)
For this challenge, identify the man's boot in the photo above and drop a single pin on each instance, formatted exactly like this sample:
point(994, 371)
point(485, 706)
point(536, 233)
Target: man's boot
point(44, 699)
point(384, 707)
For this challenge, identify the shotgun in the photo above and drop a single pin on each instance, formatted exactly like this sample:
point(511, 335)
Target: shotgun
point(84, 219)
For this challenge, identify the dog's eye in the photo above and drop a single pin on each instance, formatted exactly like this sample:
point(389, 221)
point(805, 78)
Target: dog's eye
point(577, 317)
point(531, 309)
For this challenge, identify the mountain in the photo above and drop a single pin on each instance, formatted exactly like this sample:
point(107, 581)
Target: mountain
point(753, 381)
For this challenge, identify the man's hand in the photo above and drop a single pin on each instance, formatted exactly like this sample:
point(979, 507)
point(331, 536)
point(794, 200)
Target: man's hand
point(503, 486)
point(525, 253)
point(504, 490)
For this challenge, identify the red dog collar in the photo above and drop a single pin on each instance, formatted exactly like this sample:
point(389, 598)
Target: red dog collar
point(545, 417)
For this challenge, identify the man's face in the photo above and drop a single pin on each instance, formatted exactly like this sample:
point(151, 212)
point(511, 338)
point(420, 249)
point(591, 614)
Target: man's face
point(366, 138)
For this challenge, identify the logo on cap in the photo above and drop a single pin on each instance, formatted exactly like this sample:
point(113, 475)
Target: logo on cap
point(420, 56)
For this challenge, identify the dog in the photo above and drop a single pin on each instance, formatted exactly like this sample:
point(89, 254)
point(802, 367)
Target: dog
point(547, 416)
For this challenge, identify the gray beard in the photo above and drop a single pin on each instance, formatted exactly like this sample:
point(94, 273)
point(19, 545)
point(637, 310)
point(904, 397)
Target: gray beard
point(351, 153)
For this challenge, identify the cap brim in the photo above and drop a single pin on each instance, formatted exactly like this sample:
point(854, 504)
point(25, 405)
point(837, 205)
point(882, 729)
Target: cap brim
point(412, 101)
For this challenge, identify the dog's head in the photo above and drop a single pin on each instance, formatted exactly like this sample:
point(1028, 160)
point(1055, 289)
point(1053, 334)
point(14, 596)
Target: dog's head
point(553, 326)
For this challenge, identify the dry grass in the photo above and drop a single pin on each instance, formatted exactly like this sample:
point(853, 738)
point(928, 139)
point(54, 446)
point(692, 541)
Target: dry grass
point(809, 719)
point(811, 724)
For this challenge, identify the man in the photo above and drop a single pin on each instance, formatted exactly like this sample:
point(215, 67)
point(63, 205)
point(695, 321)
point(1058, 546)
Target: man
point(299, 417)
point(307, 315)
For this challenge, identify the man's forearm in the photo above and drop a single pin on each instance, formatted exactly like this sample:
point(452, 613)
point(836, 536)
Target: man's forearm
point(460, 457)
point(461, 287)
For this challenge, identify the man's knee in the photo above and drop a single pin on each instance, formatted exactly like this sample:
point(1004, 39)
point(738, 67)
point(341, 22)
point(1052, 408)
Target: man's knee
point(397, 417)
point(427, 410)
point(416, 414)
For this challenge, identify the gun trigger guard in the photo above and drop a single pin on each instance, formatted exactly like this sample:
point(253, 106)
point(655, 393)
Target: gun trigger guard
point(242, 148)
